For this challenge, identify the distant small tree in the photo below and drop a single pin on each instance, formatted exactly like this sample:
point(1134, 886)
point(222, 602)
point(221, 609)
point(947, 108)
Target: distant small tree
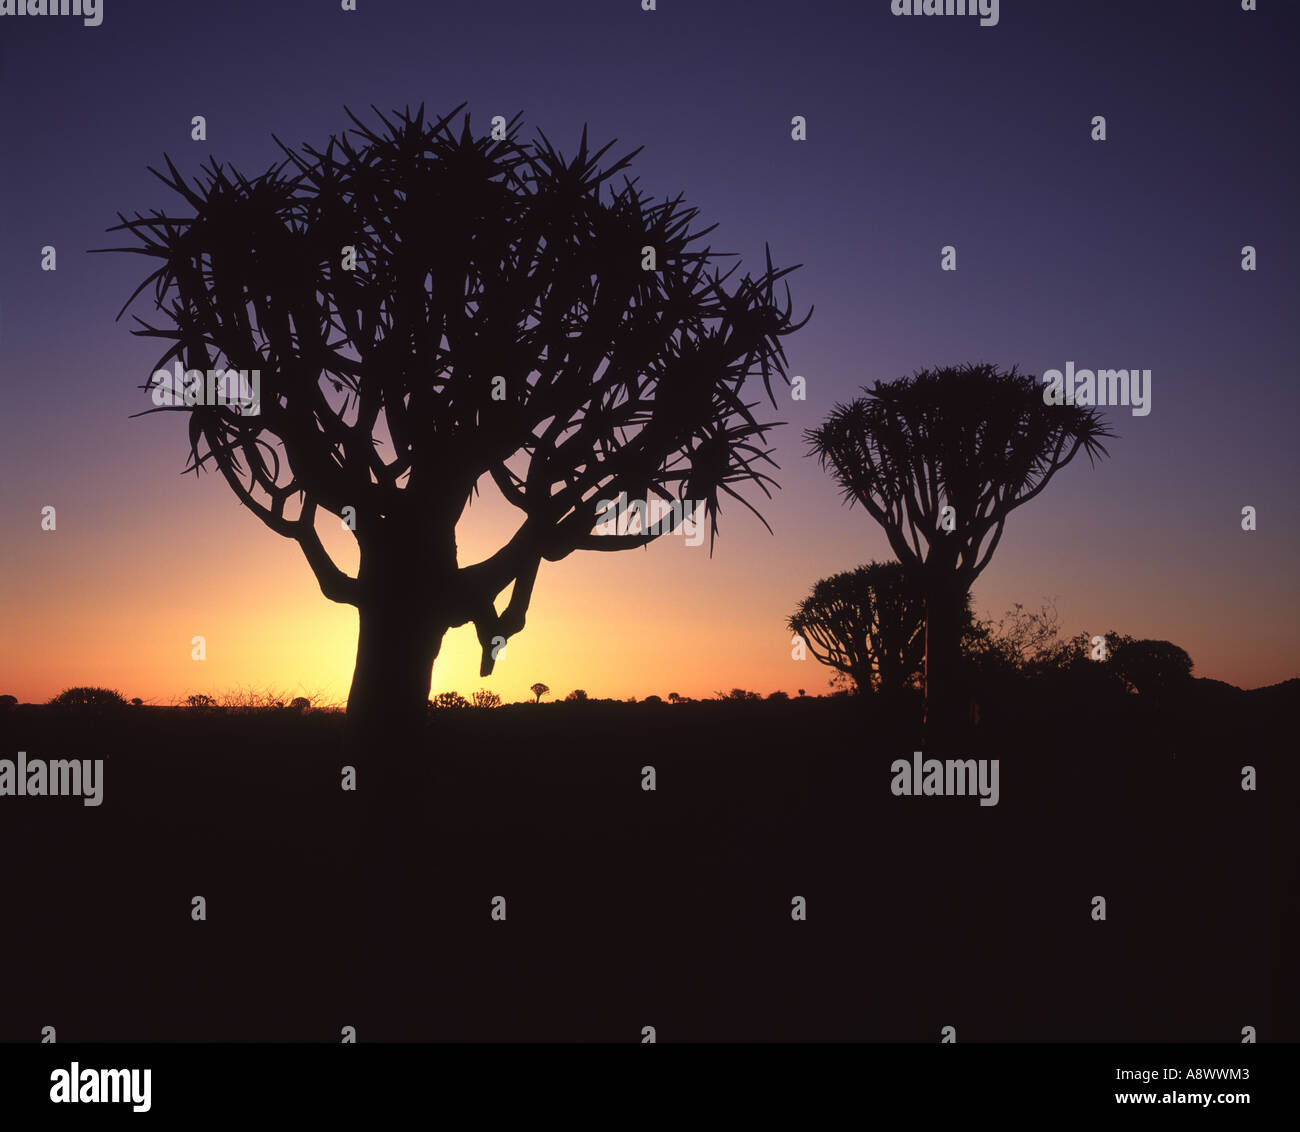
point(200, 702)
point(576, 696)
point(802, 692)
point(539, 690)
point(674, 698)
point(446, 700)
point(653, 700)
point(299, 704)
point(137, 702)
point(8, 702)
point(485, 699)
point(738, 695)
point(779, 696)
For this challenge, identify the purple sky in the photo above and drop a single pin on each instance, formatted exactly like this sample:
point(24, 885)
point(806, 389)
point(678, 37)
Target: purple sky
point(922, 132)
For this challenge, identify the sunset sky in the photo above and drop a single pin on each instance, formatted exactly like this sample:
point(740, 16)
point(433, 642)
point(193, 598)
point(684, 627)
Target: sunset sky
point(922, 132)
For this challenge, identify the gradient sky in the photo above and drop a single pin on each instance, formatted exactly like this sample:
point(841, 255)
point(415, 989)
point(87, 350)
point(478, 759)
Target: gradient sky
point(921, 132)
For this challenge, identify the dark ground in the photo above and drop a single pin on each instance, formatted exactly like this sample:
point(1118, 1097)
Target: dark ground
point(669, 909)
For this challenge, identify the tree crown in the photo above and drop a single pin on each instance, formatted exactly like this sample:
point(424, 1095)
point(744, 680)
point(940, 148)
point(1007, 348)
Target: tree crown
point(426, 308)
point(969, 437)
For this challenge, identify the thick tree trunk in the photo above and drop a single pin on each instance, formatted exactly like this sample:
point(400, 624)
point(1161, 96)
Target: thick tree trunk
point(396, 648)
point(391, 744)
point(944, 701)
point(388, 736)
point(406, 574)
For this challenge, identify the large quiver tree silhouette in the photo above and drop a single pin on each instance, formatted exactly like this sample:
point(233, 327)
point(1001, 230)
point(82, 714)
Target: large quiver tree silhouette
point(969, 438)
point(501, 320)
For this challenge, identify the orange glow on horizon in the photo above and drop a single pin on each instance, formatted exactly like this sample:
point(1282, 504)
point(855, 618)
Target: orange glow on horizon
point(116, 600)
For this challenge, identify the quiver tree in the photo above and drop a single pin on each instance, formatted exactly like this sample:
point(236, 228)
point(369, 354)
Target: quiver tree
point(428, 308)
point(939, 460)
point(867, 623)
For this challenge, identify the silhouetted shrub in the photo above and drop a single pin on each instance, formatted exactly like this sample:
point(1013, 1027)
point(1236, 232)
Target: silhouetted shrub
point(201, 702)
point(738, 694)
point(1073, 669)
point(1151, 668)
point(444, 700)
point(576, 696)
point(1022, 655)
point(653, 700)
point(299, 704)
point(485, 699)
point(244, 701)
point(779, 696)
point(841, 684)
point(7, 702)
point(88, 697)
point(137, 702)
